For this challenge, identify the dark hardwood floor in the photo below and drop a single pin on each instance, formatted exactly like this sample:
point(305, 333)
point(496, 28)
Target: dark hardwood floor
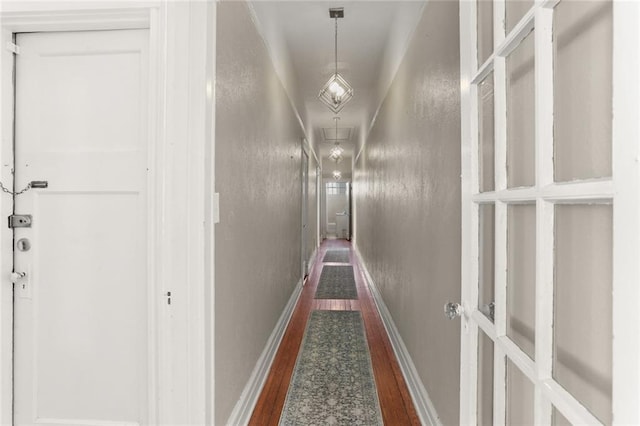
point(395, 401)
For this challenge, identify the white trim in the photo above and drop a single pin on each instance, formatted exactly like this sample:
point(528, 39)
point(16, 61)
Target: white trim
point(211, 215)
point(243, 409)
point(198, 199)
point(468, 60)
point(596, 190)
point(419, 395)
point(483, 71)
point(516, 35)
point(82, 422)
point(76, 20)
point(155, 132)
point(572, 409)
point(544, 286)
point(6, 235)
point(626, 213)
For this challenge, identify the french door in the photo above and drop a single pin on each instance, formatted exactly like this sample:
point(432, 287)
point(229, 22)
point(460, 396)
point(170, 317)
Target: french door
point(551, 224)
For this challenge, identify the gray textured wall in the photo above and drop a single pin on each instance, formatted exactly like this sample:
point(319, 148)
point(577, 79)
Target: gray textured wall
point(258, 159)
point(407, 191)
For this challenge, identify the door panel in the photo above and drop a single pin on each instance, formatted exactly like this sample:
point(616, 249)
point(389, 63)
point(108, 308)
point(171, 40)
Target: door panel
point(485, 379)
point(582, 110)
point(519, 397)
point(521, 276)
point(486, 263)
point(81, 326)
point(583, 283)
point(520, 90)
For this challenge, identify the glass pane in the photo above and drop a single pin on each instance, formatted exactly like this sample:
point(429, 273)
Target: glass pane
point(487, 259)
point(583, 35)
point(485, 134)
point(582, 356)
point(515, 10)
point(519, 397)
point(521, 115)
point(521, 276)
point(485, 30)
point(557, 419)
point(485, 379)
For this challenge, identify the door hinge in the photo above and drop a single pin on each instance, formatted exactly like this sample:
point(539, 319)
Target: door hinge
point(13, 48)
point(20, 221)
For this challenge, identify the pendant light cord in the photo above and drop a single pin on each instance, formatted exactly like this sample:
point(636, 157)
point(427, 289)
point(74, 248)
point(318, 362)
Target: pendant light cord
point(336, 46)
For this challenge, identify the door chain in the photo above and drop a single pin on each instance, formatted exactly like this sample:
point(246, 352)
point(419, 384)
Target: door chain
point(33, 184)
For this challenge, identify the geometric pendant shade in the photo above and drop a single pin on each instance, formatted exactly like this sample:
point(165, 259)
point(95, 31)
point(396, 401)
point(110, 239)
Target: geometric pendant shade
point(336, 93)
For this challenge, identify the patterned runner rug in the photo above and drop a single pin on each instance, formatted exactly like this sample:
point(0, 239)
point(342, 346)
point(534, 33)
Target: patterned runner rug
point(333, 382)
point(336, 256)
point(337, 282)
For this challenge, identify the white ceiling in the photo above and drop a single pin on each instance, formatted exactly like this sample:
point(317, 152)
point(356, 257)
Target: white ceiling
point(372, 39)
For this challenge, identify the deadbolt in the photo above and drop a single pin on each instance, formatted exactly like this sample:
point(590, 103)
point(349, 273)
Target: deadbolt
point(23, 244)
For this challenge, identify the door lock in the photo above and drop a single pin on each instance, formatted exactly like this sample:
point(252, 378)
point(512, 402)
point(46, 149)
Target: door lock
point(23, 244)
point(16, 276)
point(489, 309)
point(20, 221)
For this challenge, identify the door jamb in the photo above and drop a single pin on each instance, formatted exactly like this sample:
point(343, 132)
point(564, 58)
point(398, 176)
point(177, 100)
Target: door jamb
point(304, 199)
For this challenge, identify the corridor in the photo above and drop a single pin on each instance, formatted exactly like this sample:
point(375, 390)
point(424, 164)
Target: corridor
point(394, 400)
point(427, 209)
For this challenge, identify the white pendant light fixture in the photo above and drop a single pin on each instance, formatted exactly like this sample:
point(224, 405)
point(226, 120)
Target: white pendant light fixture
point(336, 152)
point(337, 175)
point(336, 92)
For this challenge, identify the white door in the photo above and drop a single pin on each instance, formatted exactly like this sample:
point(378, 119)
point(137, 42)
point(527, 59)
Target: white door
point(305, 208)
point(550, 131)
point(81, 322)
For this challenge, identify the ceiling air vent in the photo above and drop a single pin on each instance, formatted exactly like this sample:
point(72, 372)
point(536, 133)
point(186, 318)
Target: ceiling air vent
point(344, 133)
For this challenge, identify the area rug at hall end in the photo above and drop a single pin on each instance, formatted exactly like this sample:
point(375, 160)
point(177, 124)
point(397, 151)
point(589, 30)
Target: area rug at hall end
point(336, 256)
point(332, 383)
point(337, 282)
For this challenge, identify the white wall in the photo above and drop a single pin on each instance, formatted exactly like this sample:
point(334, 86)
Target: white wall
point(407, 196)
point(258, 160)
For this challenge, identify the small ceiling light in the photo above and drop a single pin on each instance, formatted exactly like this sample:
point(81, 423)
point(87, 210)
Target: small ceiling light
point(336, 152)
point(336, 92)
point(337, 175)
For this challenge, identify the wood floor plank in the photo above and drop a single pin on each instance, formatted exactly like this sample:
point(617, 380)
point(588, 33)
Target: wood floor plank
point(395, 401)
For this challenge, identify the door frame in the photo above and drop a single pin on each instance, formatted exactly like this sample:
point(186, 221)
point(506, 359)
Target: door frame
point(623, 189)
point(181, 109)
point(304, 199)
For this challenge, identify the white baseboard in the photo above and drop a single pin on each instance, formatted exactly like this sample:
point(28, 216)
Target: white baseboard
point(244, 407)
point(312, 260)
point(423, 404)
